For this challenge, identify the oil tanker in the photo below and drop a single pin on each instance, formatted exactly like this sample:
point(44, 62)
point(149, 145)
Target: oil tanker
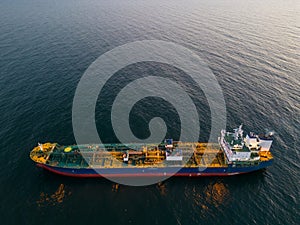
point(233, 154)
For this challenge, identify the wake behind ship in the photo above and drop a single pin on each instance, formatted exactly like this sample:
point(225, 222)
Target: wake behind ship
point(234, 154)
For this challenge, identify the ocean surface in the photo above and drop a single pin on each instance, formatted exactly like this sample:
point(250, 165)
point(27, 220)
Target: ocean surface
point(251, 46)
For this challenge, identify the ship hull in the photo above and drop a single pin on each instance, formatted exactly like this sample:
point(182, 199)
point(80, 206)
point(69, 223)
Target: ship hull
point(155, 172)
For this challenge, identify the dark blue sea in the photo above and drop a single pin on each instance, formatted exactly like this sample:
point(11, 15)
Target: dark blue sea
point(252, 48)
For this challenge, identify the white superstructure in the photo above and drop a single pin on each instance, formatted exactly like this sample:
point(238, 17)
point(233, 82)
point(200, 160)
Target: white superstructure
point(238, 148)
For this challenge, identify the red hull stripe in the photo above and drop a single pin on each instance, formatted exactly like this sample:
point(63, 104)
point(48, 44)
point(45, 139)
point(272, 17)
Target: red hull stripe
point(137, 174)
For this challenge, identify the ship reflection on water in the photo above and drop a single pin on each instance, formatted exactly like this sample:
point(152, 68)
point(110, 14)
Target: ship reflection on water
point(53, 199)
point(213, 195)
point(216, 194)
point(205, 196)
point(162, 188)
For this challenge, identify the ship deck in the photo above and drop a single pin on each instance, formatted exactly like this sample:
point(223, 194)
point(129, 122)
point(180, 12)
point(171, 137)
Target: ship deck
point(112, 156)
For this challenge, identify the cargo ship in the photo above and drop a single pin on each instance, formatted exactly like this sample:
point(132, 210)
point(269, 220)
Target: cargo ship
point(233, 154)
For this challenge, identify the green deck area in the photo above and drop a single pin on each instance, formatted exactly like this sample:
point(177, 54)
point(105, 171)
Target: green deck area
point(140, 155)
point(232, 141)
